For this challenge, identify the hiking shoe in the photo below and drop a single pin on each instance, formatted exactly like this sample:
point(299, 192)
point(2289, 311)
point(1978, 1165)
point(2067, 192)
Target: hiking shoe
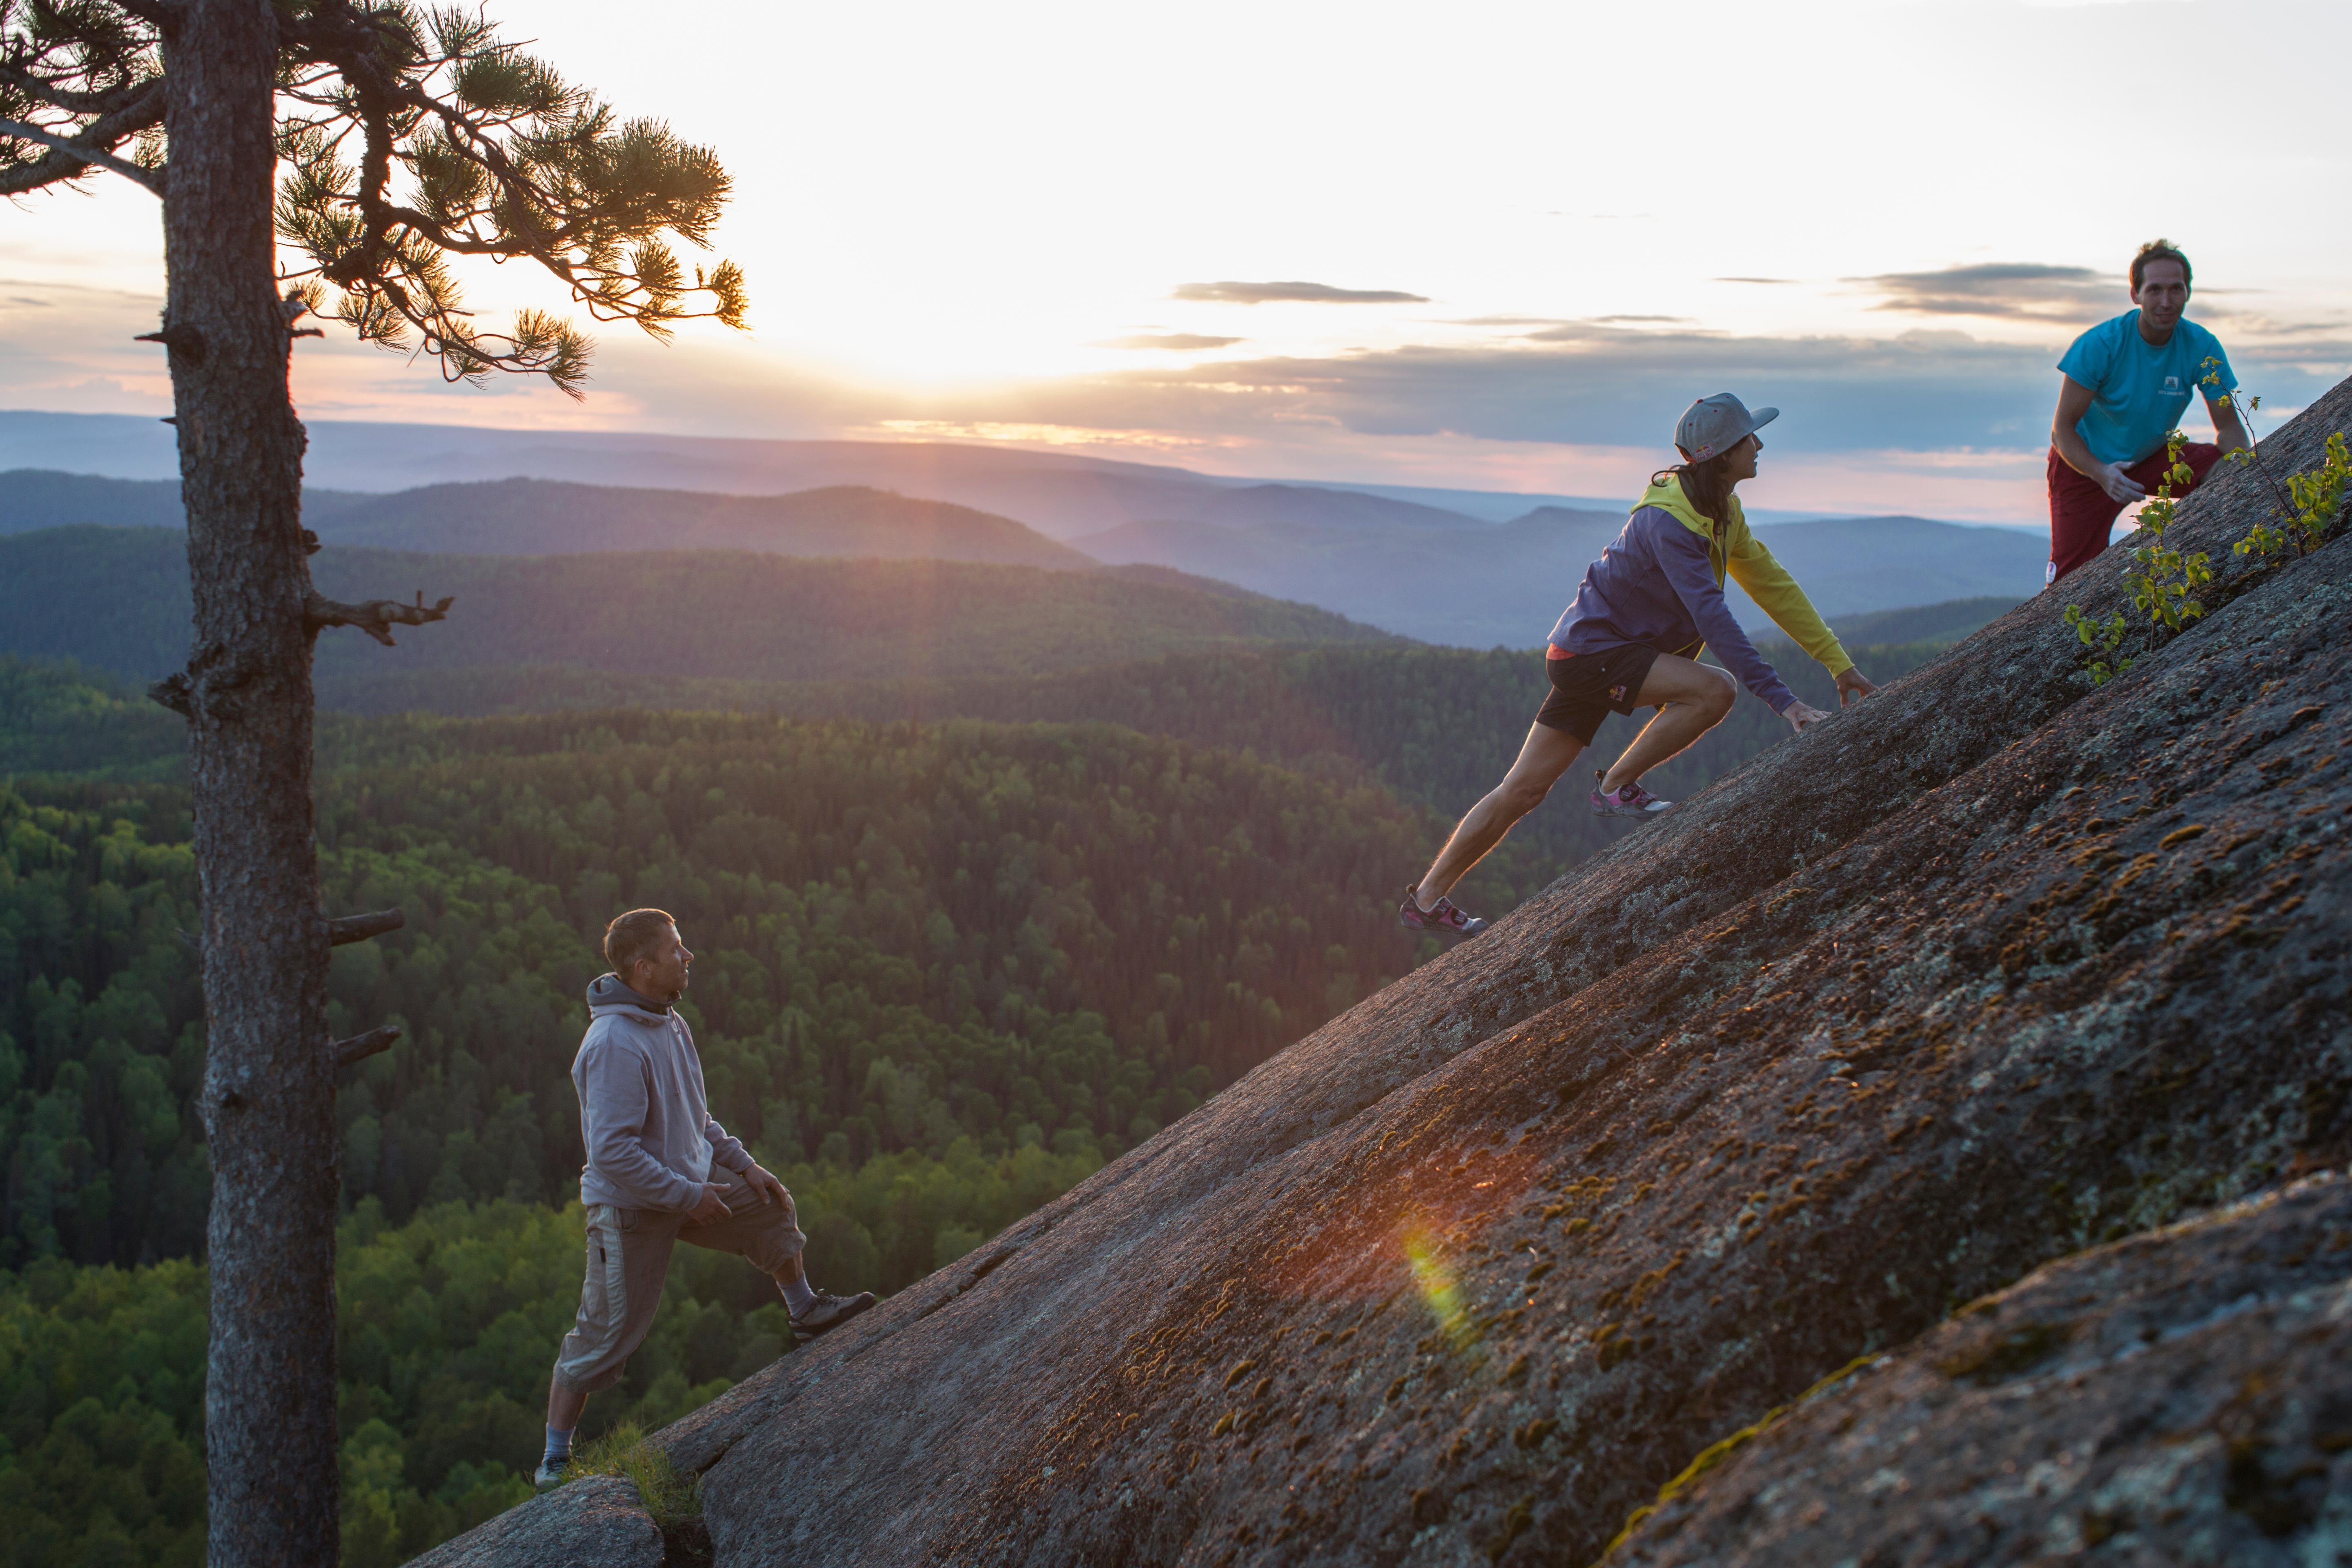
point(552, 1473)
point(1626, 800)
point(829, 1311)
point(1441, 917)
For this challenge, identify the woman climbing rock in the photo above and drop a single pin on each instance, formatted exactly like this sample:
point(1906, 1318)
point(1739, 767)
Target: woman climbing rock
point(1632, 639)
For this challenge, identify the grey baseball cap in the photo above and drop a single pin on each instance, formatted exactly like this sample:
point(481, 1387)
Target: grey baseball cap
point(1713, 425)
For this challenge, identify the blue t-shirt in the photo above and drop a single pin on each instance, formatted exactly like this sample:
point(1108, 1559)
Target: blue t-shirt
point(2139, 391)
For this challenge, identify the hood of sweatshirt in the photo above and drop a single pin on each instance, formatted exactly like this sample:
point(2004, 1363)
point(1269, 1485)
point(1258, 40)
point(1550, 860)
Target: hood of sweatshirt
point(610, 993)
point(1668, 496)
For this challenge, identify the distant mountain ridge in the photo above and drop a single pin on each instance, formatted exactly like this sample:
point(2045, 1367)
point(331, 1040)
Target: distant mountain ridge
point(1058, 493)
point(548, 517)
point(1506, 584)
point(1415, 570)
point(117, 599)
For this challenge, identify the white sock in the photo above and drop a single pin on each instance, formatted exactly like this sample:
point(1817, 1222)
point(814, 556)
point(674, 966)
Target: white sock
point(798, 1296)
point(559, 1444)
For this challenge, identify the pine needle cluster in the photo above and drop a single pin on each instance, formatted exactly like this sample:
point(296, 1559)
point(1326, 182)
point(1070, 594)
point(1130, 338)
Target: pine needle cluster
point(408, 136)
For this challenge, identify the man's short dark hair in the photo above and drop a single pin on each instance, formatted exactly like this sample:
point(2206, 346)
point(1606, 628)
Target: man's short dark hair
point(2156, 250)
point(635, 935)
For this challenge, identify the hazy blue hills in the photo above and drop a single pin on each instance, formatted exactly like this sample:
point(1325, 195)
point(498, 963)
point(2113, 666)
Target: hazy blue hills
point(45, 497)
point(117, 599)
point(1504, 586)
point(546, 517)
point(1387, 556)
point(1058, 493)
point(543, 517)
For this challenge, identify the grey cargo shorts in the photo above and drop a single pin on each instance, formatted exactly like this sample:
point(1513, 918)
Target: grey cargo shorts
point(628, 1259)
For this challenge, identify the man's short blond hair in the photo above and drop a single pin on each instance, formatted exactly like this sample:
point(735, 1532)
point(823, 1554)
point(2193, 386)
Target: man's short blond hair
point(638, 934)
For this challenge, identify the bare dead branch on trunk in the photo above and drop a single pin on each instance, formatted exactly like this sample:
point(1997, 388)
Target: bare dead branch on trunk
point(374, 616)
point(348, 928)
point(180, 339)
point(359, 1048)
point(172, 691)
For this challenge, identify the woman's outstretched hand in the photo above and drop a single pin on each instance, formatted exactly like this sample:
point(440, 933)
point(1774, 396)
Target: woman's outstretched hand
point(1800, 716)
point(1853, 685)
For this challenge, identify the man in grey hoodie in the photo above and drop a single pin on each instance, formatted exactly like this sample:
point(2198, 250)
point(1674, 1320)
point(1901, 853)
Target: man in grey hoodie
point(660, 1171)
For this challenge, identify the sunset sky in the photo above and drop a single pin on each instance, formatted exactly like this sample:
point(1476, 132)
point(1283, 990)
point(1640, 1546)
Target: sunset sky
point(1024, 223)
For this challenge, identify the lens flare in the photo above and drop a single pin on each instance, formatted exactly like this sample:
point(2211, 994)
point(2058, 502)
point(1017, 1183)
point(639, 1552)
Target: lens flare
point(1434, 1280)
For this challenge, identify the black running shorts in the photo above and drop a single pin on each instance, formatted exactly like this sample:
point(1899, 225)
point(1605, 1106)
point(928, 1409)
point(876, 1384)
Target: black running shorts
point(1587, 687)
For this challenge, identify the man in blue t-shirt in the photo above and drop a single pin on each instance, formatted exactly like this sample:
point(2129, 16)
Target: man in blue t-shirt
point(2126, 383)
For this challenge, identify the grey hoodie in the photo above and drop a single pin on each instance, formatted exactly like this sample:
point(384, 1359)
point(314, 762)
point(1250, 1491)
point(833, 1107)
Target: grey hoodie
point(644, 1117)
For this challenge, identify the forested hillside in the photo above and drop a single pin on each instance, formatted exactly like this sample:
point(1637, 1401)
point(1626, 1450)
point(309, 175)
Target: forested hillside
point(547, 517)
point(1434, 726)
point(1048, 936)
point(942, 974)
point(117, 599)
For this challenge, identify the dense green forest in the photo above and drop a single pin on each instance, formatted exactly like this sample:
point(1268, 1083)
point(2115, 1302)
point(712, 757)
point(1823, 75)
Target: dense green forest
point(941, 977)
point(1023, 935)
point(449, 1324)
point(117, 599)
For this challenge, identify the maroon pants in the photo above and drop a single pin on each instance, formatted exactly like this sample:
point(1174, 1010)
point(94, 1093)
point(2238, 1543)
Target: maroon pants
point(2082, 515)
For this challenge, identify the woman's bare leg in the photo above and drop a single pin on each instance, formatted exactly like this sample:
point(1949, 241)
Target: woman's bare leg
point(1691, 699)
point(1547, 754)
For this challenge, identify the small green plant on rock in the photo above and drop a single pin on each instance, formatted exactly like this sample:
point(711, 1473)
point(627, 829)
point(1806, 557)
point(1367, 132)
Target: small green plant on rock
point(2102, 637)
point(2313, 501)
point(2308, 506)
point(2166, 581)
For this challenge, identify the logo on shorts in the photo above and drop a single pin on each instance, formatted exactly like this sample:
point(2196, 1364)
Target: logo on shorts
point(1616, 694)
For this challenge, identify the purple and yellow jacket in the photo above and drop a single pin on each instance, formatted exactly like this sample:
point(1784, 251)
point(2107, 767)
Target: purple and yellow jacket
point(1660, 585)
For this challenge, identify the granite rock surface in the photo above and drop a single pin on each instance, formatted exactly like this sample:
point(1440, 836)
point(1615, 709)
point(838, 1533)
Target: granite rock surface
point(2177, 1398)
point(596, 1521)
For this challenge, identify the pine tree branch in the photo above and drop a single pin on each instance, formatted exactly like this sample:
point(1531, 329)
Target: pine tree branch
point(48, 93)
point(374, 616)
point(359, 1048)
point(344, 930)
point(156, 14)
point(71, 158)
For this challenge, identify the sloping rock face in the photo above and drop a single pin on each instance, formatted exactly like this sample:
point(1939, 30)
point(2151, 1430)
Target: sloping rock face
point(2180, 1397)
point(597, 1522)
point(1987, 969)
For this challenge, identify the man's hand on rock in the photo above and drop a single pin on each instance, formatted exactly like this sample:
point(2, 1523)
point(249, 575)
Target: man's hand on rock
point(1852, 686)
point(2118, 484)
point(713, 1206)
point(1800, 718)
point(764, 1183)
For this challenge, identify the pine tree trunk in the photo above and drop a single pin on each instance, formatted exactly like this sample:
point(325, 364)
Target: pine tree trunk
point(268, 1096)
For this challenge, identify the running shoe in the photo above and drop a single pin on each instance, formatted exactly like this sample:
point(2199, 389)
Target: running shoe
point(829, 1311)
point(1441, 917)
point(1626, 800)
point(553, 1471)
